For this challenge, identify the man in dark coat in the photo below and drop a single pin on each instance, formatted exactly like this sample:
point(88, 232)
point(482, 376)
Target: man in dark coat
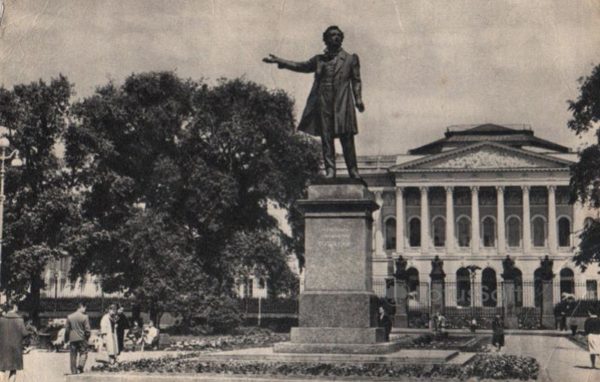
point(122, 325)
point(12, 332)
point(77, 332)
point(385, 322)
point(592, 329)
point(336, 91)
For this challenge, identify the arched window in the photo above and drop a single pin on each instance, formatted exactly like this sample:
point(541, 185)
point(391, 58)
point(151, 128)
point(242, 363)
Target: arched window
point(439, 231)
point(489, 287)
point(567, 281)
point(390, 233)
point(413, 281)
point(463, 287)
point(564, 232)
point(464, 231)
point(539, 231)
point(537, 287)
point(489, 231)
point(414, 232)
point(513, 231)
point(518, 287)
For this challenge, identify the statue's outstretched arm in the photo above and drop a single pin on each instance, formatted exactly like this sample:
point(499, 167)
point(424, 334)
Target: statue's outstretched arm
point(302, 67)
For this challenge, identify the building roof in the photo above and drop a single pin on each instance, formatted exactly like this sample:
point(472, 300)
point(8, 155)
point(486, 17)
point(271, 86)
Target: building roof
point(518, 136)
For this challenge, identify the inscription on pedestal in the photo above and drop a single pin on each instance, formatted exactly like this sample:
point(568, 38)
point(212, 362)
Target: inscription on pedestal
point(335, 255)
point(334, 238)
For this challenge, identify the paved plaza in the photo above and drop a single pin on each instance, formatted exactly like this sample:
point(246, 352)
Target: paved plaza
point(560, 360)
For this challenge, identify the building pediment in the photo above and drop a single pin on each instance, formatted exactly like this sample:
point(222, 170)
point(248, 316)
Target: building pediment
point(484, 156)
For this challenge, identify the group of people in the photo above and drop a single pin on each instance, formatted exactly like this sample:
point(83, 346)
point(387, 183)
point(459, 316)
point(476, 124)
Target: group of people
point(111, 340)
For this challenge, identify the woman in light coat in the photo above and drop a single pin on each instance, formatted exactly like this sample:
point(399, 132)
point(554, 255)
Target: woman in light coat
point(108, 332)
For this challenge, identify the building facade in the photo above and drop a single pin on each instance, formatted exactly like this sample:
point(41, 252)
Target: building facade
point(477, 195)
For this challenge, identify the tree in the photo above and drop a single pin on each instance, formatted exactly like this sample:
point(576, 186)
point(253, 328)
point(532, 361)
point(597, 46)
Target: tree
point(41, 208)
point(177, 173)
point(585, 174)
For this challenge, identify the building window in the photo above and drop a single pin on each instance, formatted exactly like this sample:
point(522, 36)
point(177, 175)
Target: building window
point(464, 231)
point(518, 287)
point(414, 234)
point(539, 231)
point(413, 281)
point(489, 288)
point(591, 289)
point(439, 231)
point(587, 222)
point(489, 232)
point(567, 282)
point(463, 287)
point(513, 231)
point(390, 233)
point(564, 232)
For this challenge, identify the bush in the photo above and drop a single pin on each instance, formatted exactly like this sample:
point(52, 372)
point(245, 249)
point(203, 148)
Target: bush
point(499, 367)
point(223, 315)
point(577, 308)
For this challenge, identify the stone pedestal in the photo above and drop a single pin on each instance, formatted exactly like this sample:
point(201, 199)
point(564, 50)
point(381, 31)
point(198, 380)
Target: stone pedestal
point(548, 320)
point(401, 296)
point(438, 296)
point(510, 315)
point(338, 309)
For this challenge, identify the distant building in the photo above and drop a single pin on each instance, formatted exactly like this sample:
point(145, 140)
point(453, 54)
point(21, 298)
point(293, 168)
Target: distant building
point(473, 197)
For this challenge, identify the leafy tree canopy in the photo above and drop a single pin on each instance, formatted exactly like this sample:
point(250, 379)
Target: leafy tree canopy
point(176, 176)
point(40, 208)
point(585, 174)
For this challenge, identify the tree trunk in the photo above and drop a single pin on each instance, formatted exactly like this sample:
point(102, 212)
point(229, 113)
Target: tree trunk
point(136, 313)
point(35, 298)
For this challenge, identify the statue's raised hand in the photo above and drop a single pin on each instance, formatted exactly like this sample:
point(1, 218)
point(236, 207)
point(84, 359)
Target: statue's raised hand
point(271, 59)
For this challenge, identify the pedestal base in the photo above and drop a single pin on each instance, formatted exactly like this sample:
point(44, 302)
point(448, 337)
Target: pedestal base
point(400, 321)
point(316, 348)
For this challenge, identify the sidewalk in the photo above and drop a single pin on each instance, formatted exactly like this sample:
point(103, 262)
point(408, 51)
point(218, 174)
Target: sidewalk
point(560, 359)
point(520, 332)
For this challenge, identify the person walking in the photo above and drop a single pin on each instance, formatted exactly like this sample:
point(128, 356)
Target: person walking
point(77, 332)
point(592, 329)
point(385, 322)
point(109, 334)
point(12, 333)
point(498, 332)
point(122, 325)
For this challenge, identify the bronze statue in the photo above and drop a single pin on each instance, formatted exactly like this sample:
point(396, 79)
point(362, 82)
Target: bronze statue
point(546, 268)
point(508, 266)
point(401, 265)
point(336, 91)
point(437, 268)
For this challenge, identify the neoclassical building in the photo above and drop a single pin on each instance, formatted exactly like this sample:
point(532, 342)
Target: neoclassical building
point(473, 197)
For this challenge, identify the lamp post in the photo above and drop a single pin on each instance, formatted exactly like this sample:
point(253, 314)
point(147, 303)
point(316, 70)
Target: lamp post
point(472, 272)
point(16, 162)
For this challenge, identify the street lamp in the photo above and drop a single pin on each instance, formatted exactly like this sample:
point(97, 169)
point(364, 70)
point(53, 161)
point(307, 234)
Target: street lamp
point(472, 271)
point(16, 162)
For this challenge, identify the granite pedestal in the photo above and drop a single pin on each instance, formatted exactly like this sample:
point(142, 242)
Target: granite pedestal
point(338, 309)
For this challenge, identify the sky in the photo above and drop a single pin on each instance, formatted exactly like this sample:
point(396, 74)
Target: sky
point(425, 64)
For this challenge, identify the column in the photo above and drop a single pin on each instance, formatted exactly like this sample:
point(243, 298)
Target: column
point(475, 237)
point(378, 232)
point(526, 220)
point(450, 219)
point(424, 220)
point(552, 236)
point(400, 219)
point(501, 229)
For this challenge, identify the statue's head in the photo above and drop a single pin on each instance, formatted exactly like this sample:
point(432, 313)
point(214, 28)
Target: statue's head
point(333, 36)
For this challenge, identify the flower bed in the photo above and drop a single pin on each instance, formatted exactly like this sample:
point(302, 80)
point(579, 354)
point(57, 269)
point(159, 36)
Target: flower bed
point(447, 342)
point(258, 338)
point(489, 366)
